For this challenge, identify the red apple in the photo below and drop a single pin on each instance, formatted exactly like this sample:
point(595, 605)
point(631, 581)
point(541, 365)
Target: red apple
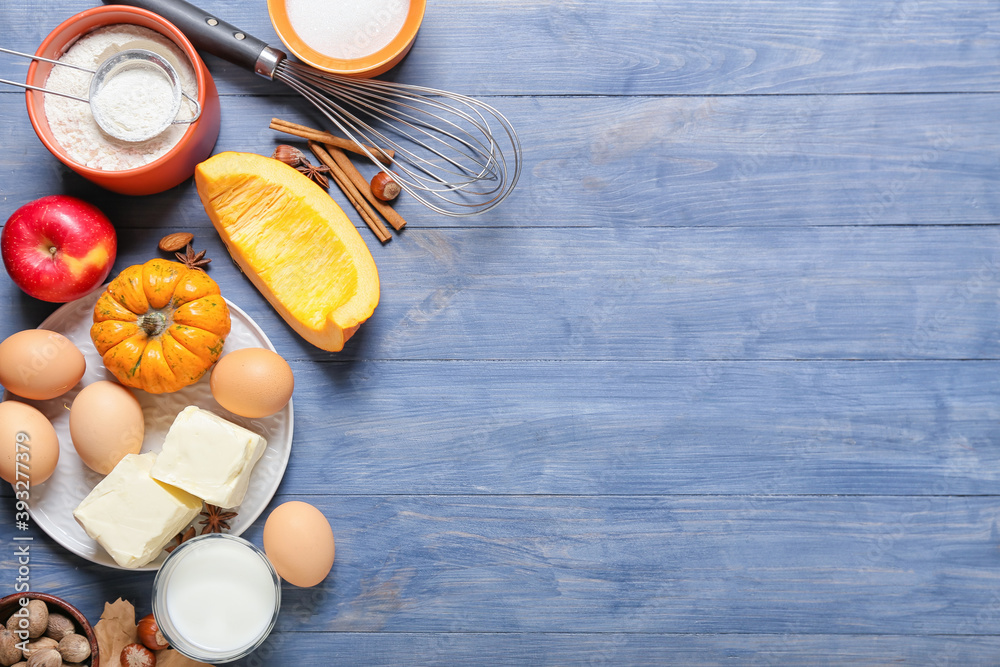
point(58, 248)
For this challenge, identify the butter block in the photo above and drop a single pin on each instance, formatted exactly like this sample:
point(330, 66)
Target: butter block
point(209, 457)
point(132, 515)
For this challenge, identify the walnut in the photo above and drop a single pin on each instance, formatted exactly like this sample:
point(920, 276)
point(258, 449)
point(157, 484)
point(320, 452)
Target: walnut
point(9, 652)
point(46, 657)
point(74, 648)
point(38, 618)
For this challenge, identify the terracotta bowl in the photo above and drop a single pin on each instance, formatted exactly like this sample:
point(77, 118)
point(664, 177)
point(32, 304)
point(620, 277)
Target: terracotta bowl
point(11, 604)
point(172, 168)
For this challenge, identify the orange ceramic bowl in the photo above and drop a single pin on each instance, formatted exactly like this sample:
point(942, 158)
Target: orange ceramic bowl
point(177, 164)
point(367, 66)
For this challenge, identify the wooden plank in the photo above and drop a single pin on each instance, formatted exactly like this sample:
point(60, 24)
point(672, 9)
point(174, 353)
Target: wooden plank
point(391, 649)
point(920, 428)
point(783, 566)
point(725, 294)
point(645, 46)
point(786, 161)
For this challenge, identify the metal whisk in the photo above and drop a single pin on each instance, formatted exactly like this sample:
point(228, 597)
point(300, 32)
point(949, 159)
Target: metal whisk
point(454, 154)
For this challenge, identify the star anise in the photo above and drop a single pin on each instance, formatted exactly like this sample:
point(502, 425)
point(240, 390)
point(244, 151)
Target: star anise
point(293, 157)
point(316, 174)
point(216, 519)
point(191, 259)
point(181, 538)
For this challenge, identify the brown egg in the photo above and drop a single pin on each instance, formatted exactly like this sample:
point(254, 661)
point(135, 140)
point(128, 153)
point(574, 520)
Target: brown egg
point(298, 540)
point(252, 382)
point(39, 364)
point(29, 446)
point(106, 423)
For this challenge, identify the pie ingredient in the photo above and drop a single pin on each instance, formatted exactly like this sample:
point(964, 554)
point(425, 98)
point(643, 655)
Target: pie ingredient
point(38, 618)
point(293, 242)
point(74, 648)
point(209, 457)
point(383, 187)
point(293, 157)
point(298, 540)
point(192, 259)
point(9, 651)
point(351, 189)
point(44, 657)
point(216, 519)
point(150, 635)
point(132, 515)
point(219, 596)
point(29, 446)
point(58, 248)
point(59, 626)
point(37, 364)
point(39, 645)
point(105, 423)
point(160, 325)
point(252, 382)
point(137, 655)
point(175, 242)
point(73, 125)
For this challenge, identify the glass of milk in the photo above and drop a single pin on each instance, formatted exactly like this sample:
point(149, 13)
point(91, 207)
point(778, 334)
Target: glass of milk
point(216, 598)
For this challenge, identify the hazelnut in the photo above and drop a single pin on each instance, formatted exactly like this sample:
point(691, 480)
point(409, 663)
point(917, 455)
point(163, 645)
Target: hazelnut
point(9, 652)
point(150, 635)
point(46, 657)
point(40, 644)
point(38, 618)
point(59, 626)
point(74, 648)
point(384, 187)
point(137, 655)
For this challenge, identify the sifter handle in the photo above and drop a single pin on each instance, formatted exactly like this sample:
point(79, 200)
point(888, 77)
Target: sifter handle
point(213, 35)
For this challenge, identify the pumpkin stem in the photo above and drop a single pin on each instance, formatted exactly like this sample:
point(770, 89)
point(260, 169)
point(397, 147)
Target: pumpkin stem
point(153, 323)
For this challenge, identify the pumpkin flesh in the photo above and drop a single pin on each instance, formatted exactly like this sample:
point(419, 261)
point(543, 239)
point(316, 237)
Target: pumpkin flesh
point(293, 242)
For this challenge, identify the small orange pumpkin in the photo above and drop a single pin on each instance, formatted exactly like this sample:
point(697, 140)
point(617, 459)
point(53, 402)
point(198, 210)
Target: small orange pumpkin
point(160, 325)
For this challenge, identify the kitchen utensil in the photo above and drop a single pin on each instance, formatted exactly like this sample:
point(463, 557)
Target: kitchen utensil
point(447, 155)
point(124, 61)
point(172, 167)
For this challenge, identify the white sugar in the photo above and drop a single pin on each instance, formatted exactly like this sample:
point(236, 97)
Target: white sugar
point(347, 29)
point(72, 124)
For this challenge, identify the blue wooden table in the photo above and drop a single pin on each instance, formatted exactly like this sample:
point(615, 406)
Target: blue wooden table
point(718, 384)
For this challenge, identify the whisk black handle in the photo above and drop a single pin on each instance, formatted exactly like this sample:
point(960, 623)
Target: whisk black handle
point(212, 34)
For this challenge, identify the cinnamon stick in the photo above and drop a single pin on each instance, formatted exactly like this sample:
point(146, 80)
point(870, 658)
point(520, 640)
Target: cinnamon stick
point(365, 188)
point(303, 132)
point(356, 198)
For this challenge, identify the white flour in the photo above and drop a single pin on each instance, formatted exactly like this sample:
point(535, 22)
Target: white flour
point(347, 29)
point(135, 102)
point(73, 127)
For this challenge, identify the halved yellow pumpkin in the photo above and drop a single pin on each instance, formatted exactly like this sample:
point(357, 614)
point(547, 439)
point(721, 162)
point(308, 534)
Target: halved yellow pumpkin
point(293, 242)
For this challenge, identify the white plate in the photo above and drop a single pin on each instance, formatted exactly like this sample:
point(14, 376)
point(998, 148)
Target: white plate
point(53, 502)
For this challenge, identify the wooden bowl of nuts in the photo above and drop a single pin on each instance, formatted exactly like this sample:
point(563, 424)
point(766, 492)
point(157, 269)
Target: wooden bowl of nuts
point(51, 632)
